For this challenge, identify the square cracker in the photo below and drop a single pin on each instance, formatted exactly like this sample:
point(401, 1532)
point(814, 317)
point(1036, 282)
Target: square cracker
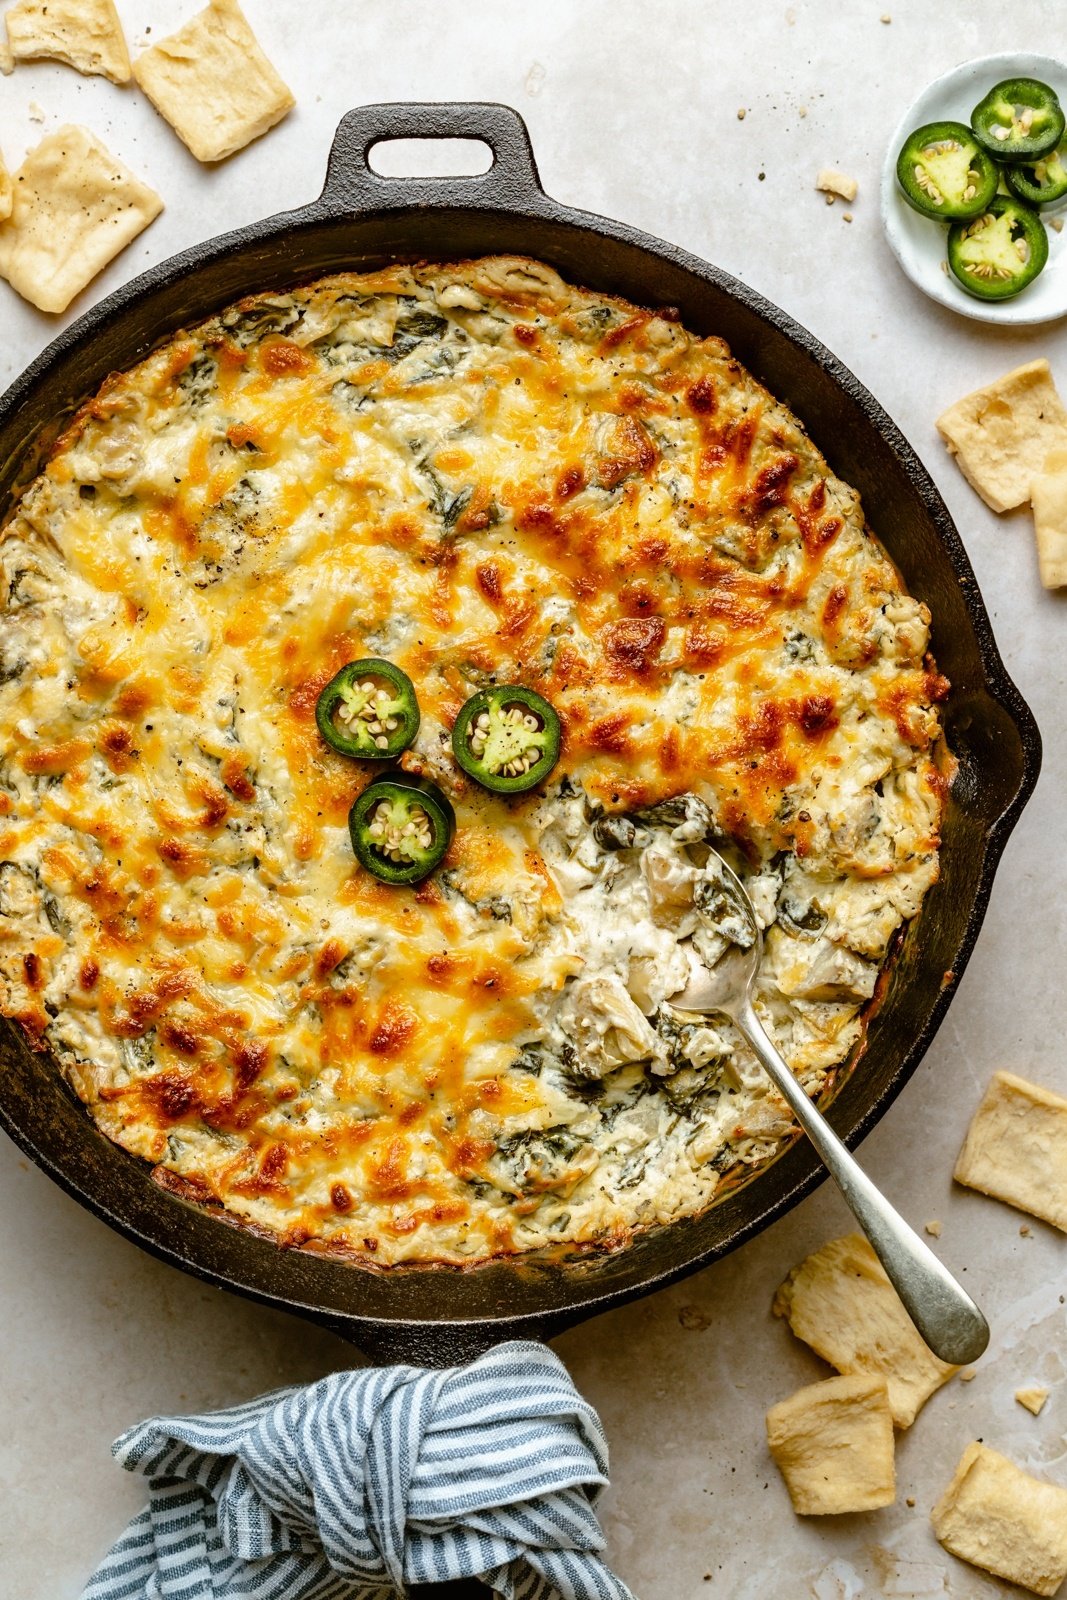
point(213, 83)
point(1000, 435)
point(841, 1303)
point(1048, 498)
point(75, 207)
point(84, 34)
point(1016, 1148)
point(999, 1518)
point(833, 1444)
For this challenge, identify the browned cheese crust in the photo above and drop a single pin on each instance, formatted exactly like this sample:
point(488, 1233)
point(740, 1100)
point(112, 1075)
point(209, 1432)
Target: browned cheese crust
point(482, 474)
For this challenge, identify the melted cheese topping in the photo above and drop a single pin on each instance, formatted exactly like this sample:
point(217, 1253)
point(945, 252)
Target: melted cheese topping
point(483, 475)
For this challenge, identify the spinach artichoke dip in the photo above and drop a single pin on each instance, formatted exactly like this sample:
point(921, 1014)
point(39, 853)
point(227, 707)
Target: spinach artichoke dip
point(479, 476)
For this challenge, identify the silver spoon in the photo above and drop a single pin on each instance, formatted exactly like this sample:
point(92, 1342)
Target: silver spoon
point(944, 1314)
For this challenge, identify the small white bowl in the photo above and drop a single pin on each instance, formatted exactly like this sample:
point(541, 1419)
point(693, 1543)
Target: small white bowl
point(919, 243)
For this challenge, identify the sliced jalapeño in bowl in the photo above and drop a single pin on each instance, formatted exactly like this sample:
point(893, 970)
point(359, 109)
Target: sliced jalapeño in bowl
point(368, 710)
point(401, 826)
point(943, 171)
point(1041, 182)
point(507, 738)
point(1018, 120)
point(1000, 252)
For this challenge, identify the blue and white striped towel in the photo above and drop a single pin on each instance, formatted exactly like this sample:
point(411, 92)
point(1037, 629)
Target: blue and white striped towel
point(356, 1486)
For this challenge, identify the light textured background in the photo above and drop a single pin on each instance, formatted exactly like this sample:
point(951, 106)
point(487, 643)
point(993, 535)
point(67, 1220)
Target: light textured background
point(632, 108)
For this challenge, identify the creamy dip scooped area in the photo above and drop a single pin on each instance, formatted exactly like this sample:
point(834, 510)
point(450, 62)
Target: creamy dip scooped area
point(483, 476)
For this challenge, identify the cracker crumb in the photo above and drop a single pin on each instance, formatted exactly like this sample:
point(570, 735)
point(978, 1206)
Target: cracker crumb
point(968, 1374)
point(741, 113)
point(1057, 223)
point(832, 182)
point(35, 112)
point(803, 111)
point(933, 1228)
point(1033, 1398)
point(1025, 1232)
point(910, 1501)
point(847, 217)
point(885, 17)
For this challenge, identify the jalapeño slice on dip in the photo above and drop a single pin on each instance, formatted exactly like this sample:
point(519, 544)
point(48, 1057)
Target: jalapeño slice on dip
point(944, 172)
point(368, 710)
point(507, 738)
point(401, 827)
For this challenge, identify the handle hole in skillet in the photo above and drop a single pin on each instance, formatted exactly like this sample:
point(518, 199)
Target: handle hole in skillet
point(429, 158)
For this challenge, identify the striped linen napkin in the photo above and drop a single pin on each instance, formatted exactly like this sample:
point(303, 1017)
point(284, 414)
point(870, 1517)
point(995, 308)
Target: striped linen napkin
point(356, 1486)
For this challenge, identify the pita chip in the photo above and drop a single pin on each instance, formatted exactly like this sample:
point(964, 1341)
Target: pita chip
point(74, 208)
point(841, 1303)
point(1016, 1148)
point(1048, 501)
point(1000, 435)
point(213, 84)
point(6, 195)
point(84, 34)
point(999, 1518)
point(833, 1444)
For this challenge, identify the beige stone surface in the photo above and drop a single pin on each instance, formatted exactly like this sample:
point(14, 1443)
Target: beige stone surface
point(627, 123)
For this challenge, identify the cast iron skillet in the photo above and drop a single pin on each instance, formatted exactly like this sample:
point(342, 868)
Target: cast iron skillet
point(363, 221)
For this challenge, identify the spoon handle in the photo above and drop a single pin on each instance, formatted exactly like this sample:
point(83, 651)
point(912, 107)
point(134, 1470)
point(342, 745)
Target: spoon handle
point(944, 1314)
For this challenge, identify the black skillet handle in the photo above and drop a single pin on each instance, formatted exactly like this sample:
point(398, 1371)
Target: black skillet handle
point(430, 1344)
point(459, 1589)
point(510, 183)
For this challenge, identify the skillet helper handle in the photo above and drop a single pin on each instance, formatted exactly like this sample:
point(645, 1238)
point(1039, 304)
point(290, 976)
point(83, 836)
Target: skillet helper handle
point(511, 182)
point(945, 1315)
